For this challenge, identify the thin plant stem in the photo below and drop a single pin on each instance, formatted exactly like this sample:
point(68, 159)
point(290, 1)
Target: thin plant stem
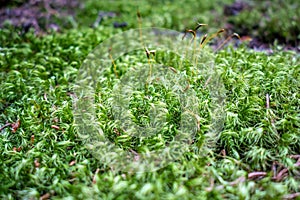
point(227, 39)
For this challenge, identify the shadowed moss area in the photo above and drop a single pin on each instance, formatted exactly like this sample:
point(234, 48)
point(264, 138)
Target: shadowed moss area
point(269, 21)
point(42, 156)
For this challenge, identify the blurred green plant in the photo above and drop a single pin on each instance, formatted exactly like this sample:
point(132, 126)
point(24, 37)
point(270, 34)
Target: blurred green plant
point(176, 15)
point(270, 21)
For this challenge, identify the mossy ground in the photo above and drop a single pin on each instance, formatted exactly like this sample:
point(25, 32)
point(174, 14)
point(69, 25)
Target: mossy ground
point(257, 153)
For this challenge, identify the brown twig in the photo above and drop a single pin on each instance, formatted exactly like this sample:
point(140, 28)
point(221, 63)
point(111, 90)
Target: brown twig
point(254, 175)
point(94, 178)
point(237, 181)
point(295, 156)
point(267, 101)
point(281, 174)
point(6, 125)
point(45, 196)
point(55, 127)
point(292, 196)
point(297, 164)
point(274, 170)
point(136, 155)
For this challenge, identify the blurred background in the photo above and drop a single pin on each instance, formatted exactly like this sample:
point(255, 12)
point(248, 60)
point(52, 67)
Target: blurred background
point(261, 23)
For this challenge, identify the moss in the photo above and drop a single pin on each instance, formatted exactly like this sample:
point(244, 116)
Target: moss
point(44, 155)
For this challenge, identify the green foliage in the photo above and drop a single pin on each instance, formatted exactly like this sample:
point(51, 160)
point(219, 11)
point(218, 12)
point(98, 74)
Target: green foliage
point(253, 132)
point(36, 77)
point(167, 14)
point(270, 20)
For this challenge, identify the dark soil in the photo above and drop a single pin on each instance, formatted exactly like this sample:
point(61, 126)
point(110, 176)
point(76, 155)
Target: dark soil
point(235, 8)
point(255, 43)
point(41, 15)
